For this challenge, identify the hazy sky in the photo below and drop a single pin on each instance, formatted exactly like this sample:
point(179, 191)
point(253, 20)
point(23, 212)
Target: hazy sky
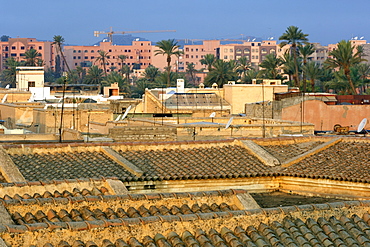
point(326, 21)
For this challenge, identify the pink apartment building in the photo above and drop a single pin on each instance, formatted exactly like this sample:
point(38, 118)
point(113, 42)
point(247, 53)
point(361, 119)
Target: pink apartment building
point(16, 47)
point(139, 55)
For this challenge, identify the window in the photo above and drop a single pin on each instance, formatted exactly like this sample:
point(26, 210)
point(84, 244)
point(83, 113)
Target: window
point(272, 51)
point(225, 50)
point(109, 50)
point(86, 51)
point(40, 47)
point(225, 57)
point(238, 50)
point(79, 51)
point(247, 51)
point(92, 51)
point(22, 47)
point(191, 56)
point(74, 51)
point(252, 57)
point(13, 54)
point(92, 57)
point(79, 57)
point(186, 56)
point(86, 57)
point(186, 49)
point(74, 57)
point(191, 49)
point(263, 51)
point(196, 49)
point(13, 47)
point(256, 57)
point(231, 50)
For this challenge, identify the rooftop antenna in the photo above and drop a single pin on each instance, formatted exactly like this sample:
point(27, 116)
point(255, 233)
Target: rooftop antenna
point(362, 37)
point(362, 125)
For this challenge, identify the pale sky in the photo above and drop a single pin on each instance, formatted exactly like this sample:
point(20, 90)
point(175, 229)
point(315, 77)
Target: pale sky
point(326, 21)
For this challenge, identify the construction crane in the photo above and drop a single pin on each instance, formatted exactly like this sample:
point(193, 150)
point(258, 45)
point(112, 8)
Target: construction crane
point(111, 32)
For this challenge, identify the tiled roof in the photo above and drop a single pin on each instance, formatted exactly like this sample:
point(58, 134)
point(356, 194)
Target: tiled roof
point(68, 165)
point(88, 214)
point(343, 161)
point(286, 152)
point(229, 161)
point(56, 194)
point(341, 230)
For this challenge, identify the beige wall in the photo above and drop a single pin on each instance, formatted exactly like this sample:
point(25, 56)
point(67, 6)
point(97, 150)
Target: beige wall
point(240, 94)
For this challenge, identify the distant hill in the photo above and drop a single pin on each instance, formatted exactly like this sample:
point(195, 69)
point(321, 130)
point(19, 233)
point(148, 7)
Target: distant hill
point(127, 39)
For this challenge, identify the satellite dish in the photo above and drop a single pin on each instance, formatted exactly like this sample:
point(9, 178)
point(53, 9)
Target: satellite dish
point(362, 124)
point(7, 86)
point(213, 114)
point(117, 118)
point(126, 112)
point(229, 123)
point(45, 107)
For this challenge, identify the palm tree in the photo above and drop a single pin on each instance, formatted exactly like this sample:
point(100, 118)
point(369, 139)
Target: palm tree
point(8, 75)
point(126, 70)
point(94, 75)
point(32, 57)
point(270, 66)
point(103, 58)
point(191, 72)
point(313, 71)
point(288, 65)
point(294, 36)
point(151, 73)
point(221, 73)
point(250, 75)
point(208, 60)
point(122, 59)
point(58, 41)
point(243, 66)
point(168, 48)
point(114, 77)
point(305, 51)
point(364, 71)
point(344, 57)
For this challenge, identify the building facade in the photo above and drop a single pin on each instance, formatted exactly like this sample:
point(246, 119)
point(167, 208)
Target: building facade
point(16, 48)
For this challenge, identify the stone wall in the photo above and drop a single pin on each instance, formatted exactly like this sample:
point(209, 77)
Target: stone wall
point(143, 133)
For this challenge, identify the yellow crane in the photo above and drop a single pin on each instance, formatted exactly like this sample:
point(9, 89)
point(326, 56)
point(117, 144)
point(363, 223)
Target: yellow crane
point(111, 32)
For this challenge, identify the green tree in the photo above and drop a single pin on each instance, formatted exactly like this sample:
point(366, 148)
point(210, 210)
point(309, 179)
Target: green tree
point(243, 66)
point(151, 73)
point(294, 36)
point(313, 71)
point(168, 48)
point(191, 73)
point(305, 51)
point(32, 57)
point(103, 58)
point(126, 70)
point(94, 75)
point(271, 65)
point(4, 38)
point(250, 75)
point(8, 75)
point(58, 41)
point(288, 65)
point(208, 60)
point(221, 73)
point(344, 57)
point(364, 72)
point(121, 59)
point(162, 79)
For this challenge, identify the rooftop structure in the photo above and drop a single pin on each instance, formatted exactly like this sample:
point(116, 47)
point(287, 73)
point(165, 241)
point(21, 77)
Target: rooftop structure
point(185, 193)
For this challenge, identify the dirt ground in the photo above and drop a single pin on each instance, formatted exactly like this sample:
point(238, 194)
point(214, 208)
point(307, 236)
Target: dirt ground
point(280, 199)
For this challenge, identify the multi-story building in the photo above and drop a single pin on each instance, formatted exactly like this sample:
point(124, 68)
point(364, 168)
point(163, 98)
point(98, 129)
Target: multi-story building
point(194, 53)
point(16, 48)
point(138, 55)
